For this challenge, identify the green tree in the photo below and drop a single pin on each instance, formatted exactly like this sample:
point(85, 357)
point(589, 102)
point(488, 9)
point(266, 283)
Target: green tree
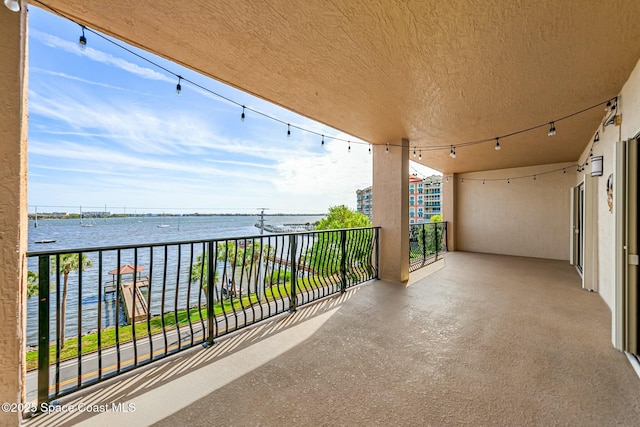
point(325, 256)
point(436, 218)
point(343, 217)
point(245, 257)
point(32, 284)
point(68, 263)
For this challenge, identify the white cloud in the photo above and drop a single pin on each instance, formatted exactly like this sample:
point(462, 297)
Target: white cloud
point(98, 56)
point(330, 177)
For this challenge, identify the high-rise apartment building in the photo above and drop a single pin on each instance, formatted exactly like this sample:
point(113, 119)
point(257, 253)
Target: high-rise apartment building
point(424, 199)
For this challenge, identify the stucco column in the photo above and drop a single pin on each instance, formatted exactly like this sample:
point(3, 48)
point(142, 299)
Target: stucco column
point(391, 209)
point(449, 209)
point(13, 205)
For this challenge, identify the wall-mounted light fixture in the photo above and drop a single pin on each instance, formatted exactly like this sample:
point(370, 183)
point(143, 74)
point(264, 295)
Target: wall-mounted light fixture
point(596, 166)
point(12, 5)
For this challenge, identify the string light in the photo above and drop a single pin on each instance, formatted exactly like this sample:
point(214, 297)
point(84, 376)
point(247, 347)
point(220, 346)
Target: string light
point(497, 144)
point(179, 86)
point(414, 152)
point(606, 108)
point(12, 5)
point(552, 129)
point(369, 149)
point(534, 177)
point(564, 171)
point(420, 156)
point(508, 181)
point(82, 42)
point(386, 150)
point(288, 130)
point(349, 147)
point(462, 181)
point(242, 116)
point(610, 103)
point(452, 153)
point(483, 182)
point(322, 143)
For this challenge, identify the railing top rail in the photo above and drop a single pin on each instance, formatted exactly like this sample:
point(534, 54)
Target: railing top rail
point(185, 242)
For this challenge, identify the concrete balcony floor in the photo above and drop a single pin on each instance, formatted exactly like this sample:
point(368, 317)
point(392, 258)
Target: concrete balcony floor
point(485, 340)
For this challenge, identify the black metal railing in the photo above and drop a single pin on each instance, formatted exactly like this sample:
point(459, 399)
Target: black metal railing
point(104, 311)
point(427, 242)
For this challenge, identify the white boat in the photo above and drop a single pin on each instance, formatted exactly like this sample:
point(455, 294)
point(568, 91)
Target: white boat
point(163, 225)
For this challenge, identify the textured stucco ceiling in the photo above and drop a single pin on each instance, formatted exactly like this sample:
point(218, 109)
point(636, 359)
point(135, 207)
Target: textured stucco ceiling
point(435, 72)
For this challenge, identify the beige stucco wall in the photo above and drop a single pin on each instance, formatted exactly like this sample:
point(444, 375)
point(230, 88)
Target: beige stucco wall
point(13, 205)
point(525, 217)
point(449, 209)
point(629, 108)
point(391, 209)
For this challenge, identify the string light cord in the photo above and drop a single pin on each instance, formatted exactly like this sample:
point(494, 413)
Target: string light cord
point(244, 108)
point(518, 132)
point(195, 84)
point(534, 176)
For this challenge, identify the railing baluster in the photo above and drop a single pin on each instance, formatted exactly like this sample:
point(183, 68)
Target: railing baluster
point(43, 328)
point(117, 321)
point(58, 324)
point(133, 308)
point(435, 238)
point(377, 246)
point(210, 295)
point(175, 306)
point(149, 288)
point(343, 261)
point(100, 302)
point(164, 292)
point(189, 292)
point(80, 267)
point(292, 294)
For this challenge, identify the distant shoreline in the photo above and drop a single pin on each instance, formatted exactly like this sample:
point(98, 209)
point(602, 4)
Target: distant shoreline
point(49, 215)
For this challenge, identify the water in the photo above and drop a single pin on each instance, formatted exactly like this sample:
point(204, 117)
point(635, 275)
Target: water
point(69, 234)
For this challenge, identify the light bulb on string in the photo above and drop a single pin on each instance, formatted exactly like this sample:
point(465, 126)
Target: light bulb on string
point(564, 171)
point(369, 149)
point(420, 155)
point(242, 116)
point(179, 87)
point(534, 177)
point(414, 151)
point(497, 147)
point(552, 129)
point(386, 150)
point(322, 142)
point(508, 181)
point(288, 130)
point(82, 42)
point(453, 152)
point(349, 147)
point(462, 181)
point(12, 5)
point(483, 182)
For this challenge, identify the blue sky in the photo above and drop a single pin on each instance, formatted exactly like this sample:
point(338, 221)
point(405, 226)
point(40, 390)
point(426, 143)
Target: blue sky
point(106, 128)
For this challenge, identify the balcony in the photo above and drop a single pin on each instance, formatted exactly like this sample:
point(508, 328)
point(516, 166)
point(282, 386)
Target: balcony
point(482, 340)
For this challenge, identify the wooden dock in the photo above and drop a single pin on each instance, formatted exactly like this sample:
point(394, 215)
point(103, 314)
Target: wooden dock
point(139, 312)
